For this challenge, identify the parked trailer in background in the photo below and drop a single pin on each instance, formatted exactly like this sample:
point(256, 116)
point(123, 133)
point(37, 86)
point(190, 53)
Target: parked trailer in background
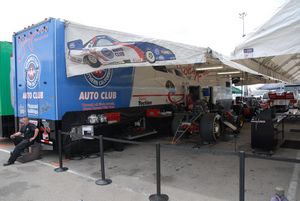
point(126, 102)
point(6, 109)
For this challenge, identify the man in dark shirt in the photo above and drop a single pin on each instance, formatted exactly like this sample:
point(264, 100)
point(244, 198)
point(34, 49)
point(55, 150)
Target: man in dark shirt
point(22, 139)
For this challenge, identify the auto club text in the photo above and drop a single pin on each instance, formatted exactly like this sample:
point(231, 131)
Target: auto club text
point(95, 95)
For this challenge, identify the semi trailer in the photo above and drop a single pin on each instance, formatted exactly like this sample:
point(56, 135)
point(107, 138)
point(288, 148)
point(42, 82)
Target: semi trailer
point(6, 110)
point(82, 81)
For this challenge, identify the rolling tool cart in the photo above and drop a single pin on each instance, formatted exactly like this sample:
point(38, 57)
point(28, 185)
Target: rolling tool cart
point(267, 130)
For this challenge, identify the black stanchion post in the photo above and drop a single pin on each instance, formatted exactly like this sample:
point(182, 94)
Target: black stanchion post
point(103, 181)
point(242, 175)
point(158, 196)
point(60, 168)
point(282, 129)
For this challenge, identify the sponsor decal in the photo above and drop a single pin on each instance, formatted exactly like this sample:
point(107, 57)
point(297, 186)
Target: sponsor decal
point(99, 78)
point(33, 109)
point(32, 71)
point(190, 73)
point(98, 106)
point(172, 96)
point(22, 110)
point(26, 41)
point(248, 52)
point(33, 95)
point(143, 101)
point(107, 53)
point(119, 52)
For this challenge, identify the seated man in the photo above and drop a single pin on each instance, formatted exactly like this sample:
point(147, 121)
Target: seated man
point(22, 139)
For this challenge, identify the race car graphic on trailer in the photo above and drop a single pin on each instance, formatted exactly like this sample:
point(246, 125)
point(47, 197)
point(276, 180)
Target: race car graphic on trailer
point(104, 50)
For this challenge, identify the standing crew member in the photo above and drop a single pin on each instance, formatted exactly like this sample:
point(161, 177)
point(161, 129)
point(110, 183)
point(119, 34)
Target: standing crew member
point(22, 139)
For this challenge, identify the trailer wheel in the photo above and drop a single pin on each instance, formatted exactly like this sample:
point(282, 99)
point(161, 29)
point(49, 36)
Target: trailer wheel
point(92, 61)
point(176, 121)
point(150, 57)
point(210, 127)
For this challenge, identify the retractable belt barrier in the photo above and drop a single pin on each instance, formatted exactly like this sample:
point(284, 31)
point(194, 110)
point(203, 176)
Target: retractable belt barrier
point(163, 197)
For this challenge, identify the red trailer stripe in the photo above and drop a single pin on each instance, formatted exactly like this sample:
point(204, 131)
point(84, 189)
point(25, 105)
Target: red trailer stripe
point(149, 95)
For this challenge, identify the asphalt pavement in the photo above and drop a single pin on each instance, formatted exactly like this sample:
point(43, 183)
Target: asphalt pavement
point(187, 174)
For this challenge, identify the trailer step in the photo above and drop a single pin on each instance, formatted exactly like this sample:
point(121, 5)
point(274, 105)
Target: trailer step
point(132, 137)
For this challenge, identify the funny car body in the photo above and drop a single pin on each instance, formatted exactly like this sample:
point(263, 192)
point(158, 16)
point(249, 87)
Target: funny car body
point(104, 50)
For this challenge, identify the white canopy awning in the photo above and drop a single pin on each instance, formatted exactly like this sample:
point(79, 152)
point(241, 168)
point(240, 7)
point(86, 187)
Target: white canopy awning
point(120, 49)
point(274, 48)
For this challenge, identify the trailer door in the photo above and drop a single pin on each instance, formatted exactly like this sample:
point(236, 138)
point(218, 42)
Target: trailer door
point(34, 61)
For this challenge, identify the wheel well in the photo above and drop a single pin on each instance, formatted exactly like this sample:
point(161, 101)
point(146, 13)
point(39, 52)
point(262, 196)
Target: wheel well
point(85, 58)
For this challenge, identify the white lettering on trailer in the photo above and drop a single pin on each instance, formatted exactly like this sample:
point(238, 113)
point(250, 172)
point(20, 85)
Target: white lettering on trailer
point(94, 95)
point(33, 109)
point(38, 95)
point(95, 82)
point(89, 95)
point(34, 95)
point(27, 95)
point(108, 95)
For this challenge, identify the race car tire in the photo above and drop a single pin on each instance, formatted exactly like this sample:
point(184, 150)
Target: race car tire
point(150, 56)
point(92, 61)
point(210, 127)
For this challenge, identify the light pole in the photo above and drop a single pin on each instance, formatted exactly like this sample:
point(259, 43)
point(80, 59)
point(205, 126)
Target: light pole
point(242, 16)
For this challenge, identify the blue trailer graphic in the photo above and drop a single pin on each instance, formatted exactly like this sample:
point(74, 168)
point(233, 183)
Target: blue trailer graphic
point(125, 102)
point(44, 91)
point(54, 102)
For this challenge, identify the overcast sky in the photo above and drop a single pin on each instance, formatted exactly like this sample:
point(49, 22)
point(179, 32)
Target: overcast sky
point(205, 23)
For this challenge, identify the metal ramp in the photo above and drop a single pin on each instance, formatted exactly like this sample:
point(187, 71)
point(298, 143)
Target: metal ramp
point(184, 125)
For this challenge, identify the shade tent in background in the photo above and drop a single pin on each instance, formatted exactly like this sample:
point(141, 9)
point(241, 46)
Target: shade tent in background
point(274, 48)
